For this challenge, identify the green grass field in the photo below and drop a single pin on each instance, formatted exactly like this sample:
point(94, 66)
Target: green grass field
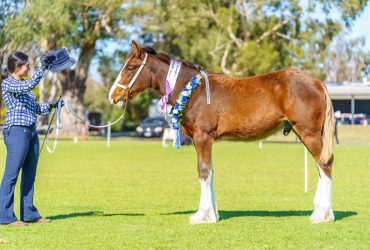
point(138, 195)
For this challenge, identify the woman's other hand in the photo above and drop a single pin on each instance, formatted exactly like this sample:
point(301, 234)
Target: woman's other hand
point(47, 60)
point(54, 104)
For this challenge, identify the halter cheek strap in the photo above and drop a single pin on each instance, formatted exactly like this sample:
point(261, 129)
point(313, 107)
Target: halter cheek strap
point(129, 86)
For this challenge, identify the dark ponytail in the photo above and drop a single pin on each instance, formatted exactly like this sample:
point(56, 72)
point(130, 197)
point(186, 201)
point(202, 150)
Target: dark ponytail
point(4, 73)
point(15, 60)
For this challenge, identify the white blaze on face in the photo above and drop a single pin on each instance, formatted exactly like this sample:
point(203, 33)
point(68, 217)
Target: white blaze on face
point(131, 83)
point(116, 83)
point(114, 86)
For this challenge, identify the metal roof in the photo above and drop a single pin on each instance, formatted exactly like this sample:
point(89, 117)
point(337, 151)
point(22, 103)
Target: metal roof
point(346, 91)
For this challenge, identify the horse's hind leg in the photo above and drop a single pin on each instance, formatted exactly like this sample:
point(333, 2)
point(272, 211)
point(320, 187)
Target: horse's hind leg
point(323, 211)
point(207, 211)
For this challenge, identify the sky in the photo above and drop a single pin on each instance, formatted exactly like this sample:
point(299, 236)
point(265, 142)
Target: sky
point(361, 28)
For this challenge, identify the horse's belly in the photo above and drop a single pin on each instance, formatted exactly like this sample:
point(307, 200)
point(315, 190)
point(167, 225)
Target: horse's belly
point(249, 129)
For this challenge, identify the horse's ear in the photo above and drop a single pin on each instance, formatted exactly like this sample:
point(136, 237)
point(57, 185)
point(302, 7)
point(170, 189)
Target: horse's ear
point(135, 48)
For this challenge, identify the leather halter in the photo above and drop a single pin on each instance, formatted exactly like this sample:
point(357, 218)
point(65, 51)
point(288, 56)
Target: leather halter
point(129, 86)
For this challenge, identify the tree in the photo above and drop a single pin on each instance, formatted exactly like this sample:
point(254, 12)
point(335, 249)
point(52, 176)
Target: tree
point(240, 38)
point(77, 25)
point(345, 60)
point(8, 10)
point(244, 38)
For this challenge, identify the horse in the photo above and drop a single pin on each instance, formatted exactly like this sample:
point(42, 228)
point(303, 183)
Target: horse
point(246, 109)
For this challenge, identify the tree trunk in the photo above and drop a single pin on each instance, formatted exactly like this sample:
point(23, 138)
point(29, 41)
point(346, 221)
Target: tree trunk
point(73, 85)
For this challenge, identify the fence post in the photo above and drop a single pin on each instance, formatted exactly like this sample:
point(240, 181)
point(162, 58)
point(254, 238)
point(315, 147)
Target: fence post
point(305, 170)
point(108, 134)
point(353, 109)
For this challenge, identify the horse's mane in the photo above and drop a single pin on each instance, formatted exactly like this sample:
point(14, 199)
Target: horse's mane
point(166, 58)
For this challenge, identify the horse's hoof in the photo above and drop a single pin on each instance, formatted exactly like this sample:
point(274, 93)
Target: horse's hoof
point(201, 217)
point(321, 215)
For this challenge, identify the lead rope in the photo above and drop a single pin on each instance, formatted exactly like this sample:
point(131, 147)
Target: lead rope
point(208, 93)
point(94, 126)
point(46, 139)
point(58, 123)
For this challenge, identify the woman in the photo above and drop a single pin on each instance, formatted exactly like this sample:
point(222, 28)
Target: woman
point(20, 137)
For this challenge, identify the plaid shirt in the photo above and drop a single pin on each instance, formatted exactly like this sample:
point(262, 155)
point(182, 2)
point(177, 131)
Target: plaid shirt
point(20, 102)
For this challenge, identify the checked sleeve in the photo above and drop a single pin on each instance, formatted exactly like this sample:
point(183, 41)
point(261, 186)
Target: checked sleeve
point(43, 109)
point(13, 85)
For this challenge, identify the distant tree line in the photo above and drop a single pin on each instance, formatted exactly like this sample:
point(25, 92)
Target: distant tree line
point(240, 38)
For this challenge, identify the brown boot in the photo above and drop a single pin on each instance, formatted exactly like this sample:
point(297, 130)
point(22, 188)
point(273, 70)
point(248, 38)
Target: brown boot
point(18, 223)
point(41, 220)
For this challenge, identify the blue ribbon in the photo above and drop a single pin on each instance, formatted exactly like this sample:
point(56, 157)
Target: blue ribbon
point(178, 143)
point(176, 111)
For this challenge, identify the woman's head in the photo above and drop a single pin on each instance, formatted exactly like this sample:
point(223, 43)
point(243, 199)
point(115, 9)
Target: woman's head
point(18, 64)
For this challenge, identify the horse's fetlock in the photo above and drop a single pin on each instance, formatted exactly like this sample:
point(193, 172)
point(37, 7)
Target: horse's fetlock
point(203, 174)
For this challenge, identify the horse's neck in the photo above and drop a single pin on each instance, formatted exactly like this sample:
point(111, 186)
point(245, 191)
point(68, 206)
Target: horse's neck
point(184, 77)
point(186, 73)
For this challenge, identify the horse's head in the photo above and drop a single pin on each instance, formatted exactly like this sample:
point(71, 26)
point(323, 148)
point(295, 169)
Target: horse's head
point(134, 77)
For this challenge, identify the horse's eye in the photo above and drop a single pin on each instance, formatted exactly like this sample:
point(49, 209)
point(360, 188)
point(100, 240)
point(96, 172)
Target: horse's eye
point(131, 67)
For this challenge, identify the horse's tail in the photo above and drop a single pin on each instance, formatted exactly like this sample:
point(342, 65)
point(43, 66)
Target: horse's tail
point(327, 131)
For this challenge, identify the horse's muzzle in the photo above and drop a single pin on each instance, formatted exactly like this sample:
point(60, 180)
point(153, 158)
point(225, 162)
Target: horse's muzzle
point(117, 99)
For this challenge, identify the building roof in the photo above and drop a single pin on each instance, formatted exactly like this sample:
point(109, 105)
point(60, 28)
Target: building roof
point(339, 91)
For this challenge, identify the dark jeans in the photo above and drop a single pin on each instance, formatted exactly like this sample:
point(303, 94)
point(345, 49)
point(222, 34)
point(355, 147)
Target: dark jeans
point(22, 144)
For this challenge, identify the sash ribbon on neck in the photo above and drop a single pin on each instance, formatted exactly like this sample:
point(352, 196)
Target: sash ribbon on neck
point(172, 74)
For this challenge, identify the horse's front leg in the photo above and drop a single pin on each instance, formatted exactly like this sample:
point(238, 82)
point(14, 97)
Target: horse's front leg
point(207, 211)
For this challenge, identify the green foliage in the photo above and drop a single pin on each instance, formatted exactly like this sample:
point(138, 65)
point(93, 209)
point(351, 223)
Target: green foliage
point(252, 37)
point(8, 10)
point(36, 25)
point(77, 25)
point(349, 9)
point(258, 59)
point(67, 23)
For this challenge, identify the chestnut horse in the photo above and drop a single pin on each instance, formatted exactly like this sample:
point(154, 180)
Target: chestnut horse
point(241, 108)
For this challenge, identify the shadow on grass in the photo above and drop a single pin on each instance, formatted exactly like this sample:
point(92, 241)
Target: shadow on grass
point(90, 213)
point(225, 215)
